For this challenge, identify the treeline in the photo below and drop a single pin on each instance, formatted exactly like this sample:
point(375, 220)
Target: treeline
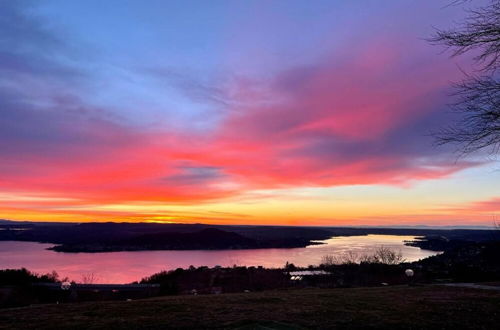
point(23, 276)
point(470, 261)
point(204, 280)
point(465, 262)
point(17, 286)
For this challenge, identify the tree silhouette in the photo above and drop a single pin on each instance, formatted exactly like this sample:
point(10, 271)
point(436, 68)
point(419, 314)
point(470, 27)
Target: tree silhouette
point(478, 95)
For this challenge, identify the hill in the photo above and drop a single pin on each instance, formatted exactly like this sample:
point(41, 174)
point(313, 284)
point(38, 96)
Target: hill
point(112, 236)
point(399, 307)
point(205, 239)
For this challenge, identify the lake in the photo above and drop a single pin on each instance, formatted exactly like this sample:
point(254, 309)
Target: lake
point(126, 267)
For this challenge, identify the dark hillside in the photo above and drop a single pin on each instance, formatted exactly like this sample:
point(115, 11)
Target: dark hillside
point(403, 307)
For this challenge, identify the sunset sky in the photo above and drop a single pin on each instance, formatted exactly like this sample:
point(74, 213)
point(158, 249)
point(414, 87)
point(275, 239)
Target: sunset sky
point(234, 112)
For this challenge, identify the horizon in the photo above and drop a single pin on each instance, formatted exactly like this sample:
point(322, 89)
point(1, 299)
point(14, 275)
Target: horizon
point(416, 226)
point(235, 113)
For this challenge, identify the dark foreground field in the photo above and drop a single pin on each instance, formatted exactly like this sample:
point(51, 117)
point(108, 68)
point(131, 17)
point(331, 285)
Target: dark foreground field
point(388, 307)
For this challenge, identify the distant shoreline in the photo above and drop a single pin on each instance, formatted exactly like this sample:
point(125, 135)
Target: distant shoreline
point(115, 237)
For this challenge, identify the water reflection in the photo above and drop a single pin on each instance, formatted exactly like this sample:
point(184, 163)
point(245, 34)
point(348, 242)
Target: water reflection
point(124, 267)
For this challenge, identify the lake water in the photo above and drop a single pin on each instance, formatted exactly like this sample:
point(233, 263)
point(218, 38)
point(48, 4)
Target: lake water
point(126, 267)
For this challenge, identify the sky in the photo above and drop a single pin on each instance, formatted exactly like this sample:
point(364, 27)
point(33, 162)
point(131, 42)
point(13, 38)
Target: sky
point(234, 112)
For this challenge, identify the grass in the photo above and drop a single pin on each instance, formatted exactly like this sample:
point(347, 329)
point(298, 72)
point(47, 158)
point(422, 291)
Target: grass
point(382, 308)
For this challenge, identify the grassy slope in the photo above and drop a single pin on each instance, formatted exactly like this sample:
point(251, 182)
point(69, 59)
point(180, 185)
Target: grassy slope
point(395, 307)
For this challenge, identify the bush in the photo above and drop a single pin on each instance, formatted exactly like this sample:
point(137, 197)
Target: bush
point(383, 255)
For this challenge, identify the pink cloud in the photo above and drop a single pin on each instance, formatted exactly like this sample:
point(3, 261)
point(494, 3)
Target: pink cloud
point(344, 121)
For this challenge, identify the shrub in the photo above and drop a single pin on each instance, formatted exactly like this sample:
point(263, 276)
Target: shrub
point(382, 255)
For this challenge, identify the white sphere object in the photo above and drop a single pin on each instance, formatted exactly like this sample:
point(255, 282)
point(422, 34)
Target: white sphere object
point(409, 272)
point(65, 285)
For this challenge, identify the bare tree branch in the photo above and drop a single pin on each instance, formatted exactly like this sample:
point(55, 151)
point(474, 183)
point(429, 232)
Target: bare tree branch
point(478, 102)
point(478, 96)
point(480, 31)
